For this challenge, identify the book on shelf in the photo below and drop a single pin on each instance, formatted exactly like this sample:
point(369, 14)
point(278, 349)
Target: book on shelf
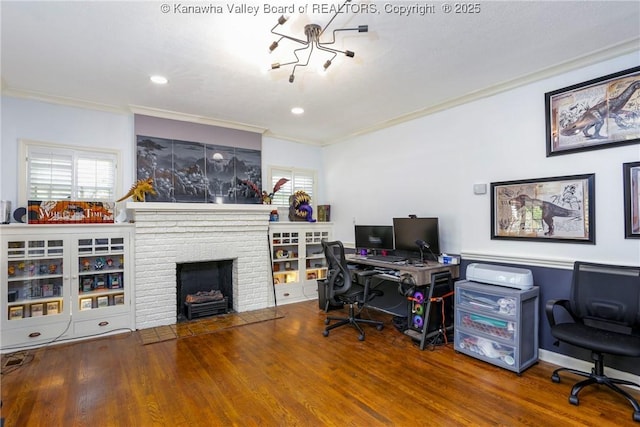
point(87, 284)
point(114, 281)
point(47, 290)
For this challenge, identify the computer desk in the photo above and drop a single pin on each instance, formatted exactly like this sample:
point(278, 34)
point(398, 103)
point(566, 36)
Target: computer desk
point(392, 302)
point(421, 275)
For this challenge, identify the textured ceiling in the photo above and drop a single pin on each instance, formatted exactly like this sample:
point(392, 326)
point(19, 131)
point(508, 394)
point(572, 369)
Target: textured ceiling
point(408, 64)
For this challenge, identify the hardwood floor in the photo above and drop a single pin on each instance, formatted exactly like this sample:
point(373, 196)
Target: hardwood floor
point(283, 372)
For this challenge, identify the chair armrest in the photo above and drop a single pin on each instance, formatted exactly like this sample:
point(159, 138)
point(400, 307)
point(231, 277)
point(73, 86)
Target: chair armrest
point(551, 304)
point(367, 274)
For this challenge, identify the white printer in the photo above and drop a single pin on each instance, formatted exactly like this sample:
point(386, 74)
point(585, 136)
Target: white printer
point(511, 277)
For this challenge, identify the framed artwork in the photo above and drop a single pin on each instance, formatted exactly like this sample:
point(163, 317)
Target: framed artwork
point(16, 312)
point(599, 113)
point(631, 173)
point(103, 301)
point(53, 307)
point(118, 299)
point(37, 310)
point(558, 209)
point(186, 171)
point(86, 303)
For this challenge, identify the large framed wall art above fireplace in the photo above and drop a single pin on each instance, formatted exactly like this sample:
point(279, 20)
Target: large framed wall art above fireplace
point(196, 163)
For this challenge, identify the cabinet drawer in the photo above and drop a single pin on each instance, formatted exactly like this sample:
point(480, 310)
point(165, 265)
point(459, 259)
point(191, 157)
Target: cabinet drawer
point(486, 324)
point(36, 334)
point(100, 325)
point(486, 302)
point(288, 294)
point(486, 349)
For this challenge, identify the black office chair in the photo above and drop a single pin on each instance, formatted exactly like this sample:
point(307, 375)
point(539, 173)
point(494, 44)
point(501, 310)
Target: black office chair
point(341, 289)
point(604, 306)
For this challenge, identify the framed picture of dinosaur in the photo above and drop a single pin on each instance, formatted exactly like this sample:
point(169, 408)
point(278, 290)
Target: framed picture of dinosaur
point(558, 209)
point(599, 113)
point(631, 180)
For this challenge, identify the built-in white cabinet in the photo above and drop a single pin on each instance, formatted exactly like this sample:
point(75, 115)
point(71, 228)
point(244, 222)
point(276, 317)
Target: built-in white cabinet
point(297, 259)
point(63, 282)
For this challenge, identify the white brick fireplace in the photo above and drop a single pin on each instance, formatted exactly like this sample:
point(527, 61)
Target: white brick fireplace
point(171, 233)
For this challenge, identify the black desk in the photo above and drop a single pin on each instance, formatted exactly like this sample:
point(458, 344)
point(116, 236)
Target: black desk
point(392, 302)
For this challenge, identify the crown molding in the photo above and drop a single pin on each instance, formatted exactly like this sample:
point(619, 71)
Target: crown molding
point(61, 100)
point(128, 109)
point(601, 55)
point(185, 117)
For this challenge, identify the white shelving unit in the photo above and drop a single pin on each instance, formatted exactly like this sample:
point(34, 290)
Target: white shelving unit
point(297, 259)
point(64, 282)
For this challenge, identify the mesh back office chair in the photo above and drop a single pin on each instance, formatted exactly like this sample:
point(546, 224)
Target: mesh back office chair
point(604, 306)
point(342, 290)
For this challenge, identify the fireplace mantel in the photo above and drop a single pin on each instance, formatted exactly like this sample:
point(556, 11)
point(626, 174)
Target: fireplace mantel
point(199, 207)
point(167, 234)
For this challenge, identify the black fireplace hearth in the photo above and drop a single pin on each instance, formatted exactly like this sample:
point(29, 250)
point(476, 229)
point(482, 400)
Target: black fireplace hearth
point(203, 277)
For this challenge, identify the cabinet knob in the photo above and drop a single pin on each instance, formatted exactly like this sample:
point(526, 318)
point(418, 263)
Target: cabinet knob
point(103, 323)
point(34, 334)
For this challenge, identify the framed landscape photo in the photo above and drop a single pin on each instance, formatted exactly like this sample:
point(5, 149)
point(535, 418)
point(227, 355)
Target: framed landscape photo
point(598, 113)
point(557, 209)
point(631, 180)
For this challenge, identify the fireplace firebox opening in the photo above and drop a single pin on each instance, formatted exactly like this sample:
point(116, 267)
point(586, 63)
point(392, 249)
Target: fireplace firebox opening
point(196, 281)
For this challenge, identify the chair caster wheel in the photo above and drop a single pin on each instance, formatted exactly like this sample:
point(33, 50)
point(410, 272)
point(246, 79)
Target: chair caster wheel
point(379, 327)
point(326, 321)
point(574, 400)
point(555, 378)
point(360, 337)
point(636, 416)
point(325, 333)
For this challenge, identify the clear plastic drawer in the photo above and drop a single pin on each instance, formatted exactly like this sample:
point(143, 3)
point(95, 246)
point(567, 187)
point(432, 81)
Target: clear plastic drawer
point(490, 325)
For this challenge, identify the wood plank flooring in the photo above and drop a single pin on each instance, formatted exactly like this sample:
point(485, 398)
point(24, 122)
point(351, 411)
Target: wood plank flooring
point(283, 372)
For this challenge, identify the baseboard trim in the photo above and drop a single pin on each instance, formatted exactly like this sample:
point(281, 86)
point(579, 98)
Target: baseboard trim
point(565, 361)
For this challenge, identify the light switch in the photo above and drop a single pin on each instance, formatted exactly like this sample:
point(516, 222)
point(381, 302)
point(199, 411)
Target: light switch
point(479, 188)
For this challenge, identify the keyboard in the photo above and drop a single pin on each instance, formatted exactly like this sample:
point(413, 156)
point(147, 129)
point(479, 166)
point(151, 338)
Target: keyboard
point(388, 258)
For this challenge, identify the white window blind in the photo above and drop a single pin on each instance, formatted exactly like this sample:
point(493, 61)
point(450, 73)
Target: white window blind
point(299, 179)
point(56, 173)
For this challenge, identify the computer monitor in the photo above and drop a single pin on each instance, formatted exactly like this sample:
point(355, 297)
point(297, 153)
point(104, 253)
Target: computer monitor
point(408, 230)
point(374, 237)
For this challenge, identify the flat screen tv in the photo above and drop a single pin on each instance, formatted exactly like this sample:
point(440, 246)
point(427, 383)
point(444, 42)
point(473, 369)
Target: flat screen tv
point(374, 237)
point(408, 230)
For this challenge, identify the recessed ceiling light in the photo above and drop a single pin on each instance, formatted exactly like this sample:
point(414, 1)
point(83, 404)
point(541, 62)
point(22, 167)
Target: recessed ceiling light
point(297, 110)
point(159, 80)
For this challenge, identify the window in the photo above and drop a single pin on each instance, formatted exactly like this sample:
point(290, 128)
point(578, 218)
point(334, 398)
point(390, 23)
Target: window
point(56, 172)
point(299, 179)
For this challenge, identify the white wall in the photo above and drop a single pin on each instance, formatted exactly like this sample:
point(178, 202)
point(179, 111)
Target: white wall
point(288, 154)
point(428, 167)
point(42, 121)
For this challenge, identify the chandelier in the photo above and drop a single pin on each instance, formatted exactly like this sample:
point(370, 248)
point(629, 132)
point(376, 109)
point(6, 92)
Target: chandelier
point(313, 32)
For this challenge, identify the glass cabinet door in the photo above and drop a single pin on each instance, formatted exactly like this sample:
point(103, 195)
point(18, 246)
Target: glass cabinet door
point(35, 283)
point(285, 257)
point(101, 263)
